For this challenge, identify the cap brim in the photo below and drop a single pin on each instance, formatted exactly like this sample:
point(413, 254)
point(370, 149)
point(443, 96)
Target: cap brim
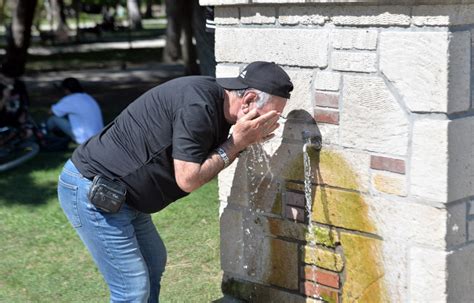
point(231, 83)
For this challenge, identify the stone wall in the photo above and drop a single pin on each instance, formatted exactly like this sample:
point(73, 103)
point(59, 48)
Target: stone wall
point(393, 213)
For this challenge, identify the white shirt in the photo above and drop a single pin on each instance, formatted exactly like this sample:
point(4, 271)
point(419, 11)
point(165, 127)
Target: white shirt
point(83, 113)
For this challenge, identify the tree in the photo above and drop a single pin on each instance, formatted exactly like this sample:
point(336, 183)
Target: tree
point(134, 14)
point(18, 38)
point(58, 15)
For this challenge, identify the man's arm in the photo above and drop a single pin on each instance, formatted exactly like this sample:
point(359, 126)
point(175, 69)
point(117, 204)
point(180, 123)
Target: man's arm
point(248, 130)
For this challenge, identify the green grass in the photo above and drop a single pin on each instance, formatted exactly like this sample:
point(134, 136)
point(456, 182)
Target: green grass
point(43, 260)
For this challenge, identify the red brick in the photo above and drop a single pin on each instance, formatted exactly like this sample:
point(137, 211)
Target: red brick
point(388, 164)
point(295, 213)
point(326, 278)
point(295, 199)
point(327, 99)
point(311, 289)
point(326, 116)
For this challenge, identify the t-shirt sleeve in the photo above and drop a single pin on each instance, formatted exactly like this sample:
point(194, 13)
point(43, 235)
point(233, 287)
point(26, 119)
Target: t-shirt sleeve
point(193, 133)
point(62, 108)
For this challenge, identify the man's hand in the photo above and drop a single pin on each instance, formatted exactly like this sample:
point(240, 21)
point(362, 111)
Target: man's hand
point(252, 128)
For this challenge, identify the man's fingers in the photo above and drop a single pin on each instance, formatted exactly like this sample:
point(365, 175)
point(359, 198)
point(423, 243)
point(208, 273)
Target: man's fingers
point(267, 117)
point(250, 115)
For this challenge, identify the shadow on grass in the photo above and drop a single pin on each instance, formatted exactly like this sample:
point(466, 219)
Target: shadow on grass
point(34, 182)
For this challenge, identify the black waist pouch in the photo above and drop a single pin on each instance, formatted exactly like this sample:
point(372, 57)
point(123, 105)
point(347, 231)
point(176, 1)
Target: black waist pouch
point(107, 195)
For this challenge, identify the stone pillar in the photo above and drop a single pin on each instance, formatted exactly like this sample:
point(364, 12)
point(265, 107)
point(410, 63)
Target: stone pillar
point(389, 85)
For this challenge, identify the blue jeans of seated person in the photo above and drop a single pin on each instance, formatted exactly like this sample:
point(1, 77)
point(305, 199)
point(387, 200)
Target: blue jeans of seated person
point(60, 123)
point(125, 246)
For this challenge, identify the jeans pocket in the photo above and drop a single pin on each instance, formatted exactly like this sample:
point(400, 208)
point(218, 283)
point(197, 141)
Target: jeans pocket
point(67, 194)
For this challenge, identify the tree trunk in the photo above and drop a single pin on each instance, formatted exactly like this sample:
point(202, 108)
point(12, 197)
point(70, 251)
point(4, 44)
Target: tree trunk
point(59, 17)
point(19, 40)
point(134, 14)
point(2, 10)
point(149, 12)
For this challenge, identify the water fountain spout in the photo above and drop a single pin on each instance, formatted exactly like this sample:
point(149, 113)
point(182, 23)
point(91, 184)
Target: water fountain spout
point(311, 140)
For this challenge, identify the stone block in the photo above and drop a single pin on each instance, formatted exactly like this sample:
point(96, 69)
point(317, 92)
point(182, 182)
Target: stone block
point(390, 183)
point(461, 158)
point(459, 72)
point(470, 207)
point(371, 118)
point(227, 70)
point(443, 15)
point(330, 133)
point(417, 65)
point(363, 269)
point(387, 164)
point(226, 181)
point(326, 116)
point(395, 15)
point(470, 230)
point(322, 236)
point(460, 270)
point(345, 209)
point(300, 99)
point(322, 258)
point(330, 81)
point(324, 99)
point(429, 162)
point(232, 241)
point(347, 61)
point(343, 168)
point(354, 39)
point(255, 292)
point(428, 275)
point(293, 15)
point(257, 15)
point(409, 223)
point(226, 15)
point(326, 278)
point(286, 229)
point(456, 229)
point(302, 47)
point(281, 264)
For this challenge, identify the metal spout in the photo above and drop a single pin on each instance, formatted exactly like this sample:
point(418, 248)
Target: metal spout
point(312, 140)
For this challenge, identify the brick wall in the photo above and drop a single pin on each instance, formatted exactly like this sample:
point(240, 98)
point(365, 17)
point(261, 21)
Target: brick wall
point(392, 211)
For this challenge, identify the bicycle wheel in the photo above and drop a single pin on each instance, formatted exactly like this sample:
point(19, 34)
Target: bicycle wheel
point(13, 156)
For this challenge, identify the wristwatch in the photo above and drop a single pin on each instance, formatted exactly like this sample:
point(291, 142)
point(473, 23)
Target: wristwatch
point(221, 152)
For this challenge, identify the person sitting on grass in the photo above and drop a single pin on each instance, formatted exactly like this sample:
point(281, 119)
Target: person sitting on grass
point(77, 115)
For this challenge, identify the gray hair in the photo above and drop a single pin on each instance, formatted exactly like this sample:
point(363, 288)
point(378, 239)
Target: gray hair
point(262, 97)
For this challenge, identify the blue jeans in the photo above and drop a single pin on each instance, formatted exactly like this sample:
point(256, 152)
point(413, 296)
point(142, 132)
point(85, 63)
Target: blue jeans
point(60, 123)
point(125, 246)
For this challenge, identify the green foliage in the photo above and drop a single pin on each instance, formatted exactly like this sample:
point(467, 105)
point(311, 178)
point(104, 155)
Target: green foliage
point(43, 260)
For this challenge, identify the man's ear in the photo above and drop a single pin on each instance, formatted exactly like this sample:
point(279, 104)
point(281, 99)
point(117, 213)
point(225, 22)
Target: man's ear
point(247, 100)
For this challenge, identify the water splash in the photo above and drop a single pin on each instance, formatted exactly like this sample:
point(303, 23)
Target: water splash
point(308, 190)
point(312, 140)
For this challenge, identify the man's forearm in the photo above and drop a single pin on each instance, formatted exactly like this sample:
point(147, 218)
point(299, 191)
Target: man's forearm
point(214, 163)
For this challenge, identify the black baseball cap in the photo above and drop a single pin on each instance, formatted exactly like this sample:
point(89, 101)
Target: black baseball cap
point(265, 76)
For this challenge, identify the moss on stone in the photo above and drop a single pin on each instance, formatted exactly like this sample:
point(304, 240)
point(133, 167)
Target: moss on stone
point(342, 209)
point(364, 269)
point(322, 236)
point(323, 258)
point(276, 207)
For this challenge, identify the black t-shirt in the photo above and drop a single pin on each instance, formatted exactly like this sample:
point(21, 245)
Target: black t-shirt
point(181, 119)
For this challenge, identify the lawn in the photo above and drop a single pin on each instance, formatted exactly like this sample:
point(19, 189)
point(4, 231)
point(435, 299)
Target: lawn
point(43, 260)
